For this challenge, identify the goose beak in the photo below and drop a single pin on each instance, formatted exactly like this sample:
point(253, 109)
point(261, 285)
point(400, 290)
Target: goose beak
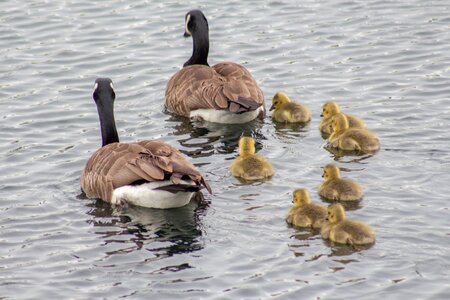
point(186, 34)
point(271, 108)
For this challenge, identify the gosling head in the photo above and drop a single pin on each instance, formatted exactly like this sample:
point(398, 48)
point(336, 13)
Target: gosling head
point(335, 213)
point(331, 172)
point(279, 100)
point(301, 197)
point(246, 146)
point(329, 109)
point(339, 122)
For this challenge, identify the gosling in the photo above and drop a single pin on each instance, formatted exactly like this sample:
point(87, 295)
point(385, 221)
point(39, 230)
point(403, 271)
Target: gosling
point(351, 139)
point(338, 189)
point(331, 108)
point(286, 111)
point(340, 230)
point(248, 165)
point(304, 213)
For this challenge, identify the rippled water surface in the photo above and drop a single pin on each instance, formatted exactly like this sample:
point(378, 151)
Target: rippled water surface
point(385, 61)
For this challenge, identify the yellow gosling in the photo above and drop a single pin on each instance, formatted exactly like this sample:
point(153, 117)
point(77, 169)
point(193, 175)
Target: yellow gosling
point(338, 189)
point(340, 230)
point(248, 165)
point(286, 111)
point(351, 139)
point(331, 108)
point(304, 213)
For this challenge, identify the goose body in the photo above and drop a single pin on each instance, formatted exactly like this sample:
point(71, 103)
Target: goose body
point(351, 139)
point(331, 108)
point(341, 230)
point(147, 173)
point(304, 213)
point(248, 165)
point(338, 189)
point(286, 111)
point(223, 93)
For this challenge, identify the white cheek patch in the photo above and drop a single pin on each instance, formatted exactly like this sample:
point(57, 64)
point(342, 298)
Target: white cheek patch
point(188, 18)
point(111, 85)
point(95, 86)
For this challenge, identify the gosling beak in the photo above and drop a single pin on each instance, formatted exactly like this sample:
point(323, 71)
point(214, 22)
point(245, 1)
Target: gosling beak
point(271, 108)
point(321, 115)
point(323, 175)
point(326, 219)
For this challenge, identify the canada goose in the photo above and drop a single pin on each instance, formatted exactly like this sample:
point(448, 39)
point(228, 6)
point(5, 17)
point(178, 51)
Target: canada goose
point(147, 173)
point(248, 165)
point(223, 93)
point(340, 230)
point(304, 213)
point(286, 111)
point(331, 108)
point(338, 189)
point(351, 139)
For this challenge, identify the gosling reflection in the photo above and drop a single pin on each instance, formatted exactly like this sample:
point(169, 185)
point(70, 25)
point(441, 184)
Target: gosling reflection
point(205, 138)
point(164, 232)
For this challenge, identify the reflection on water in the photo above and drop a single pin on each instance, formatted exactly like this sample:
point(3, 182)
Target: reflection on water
point(356, 156)
point(206, 139)
point(343, 249)
point(291, 132)
point(165, 232)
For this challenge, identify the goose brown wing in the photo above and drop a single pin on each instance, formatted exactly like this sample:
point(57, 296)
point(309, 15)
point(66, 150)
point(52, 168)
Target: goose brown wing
point(224, 86)
point(120, 164)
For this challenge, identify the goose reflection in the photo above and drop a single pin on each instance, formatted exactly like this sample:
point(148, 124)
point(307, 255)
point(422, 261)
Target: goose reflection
point(205, 138)
point(353, 156)
point(165, 232)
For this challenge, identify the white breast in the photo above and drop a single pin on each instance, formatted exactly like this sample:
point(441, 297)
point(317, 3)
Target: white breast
point(145, 195)
point(225, 116)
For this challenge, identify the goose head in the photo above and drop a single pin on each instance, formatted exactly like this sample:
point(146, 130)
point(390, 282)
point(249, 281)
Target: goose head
point(301, 197)
point(246, 146)
point(196, 25)
point(335, 213)
point(331, 172)
point(104, 97)
point(279, 100)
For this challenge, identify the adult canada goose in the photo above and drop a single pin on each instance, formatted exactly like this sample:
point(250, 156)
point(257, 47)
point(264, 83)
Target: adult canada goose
point(248, 165)
point(331, 108)
point(147, 173)
point(341, 230)
point(304, 213)
point(223, 93)
point(286, 111)
point(351, 139)
point(338, 189)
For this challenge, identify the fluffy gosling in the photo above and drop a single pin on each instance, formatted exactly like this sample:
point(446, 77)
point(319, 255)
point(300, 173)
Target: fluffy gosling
point(304, 213)
point(338, 189)
point(286, 111)
point(341, 230)
point(331, 108)
point(351, 139)
point(248, 165)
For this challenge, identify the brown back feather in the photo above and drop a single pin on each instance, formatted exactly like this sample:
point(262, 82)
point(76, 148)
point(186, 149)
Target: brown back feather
point(119, 164)
point(224, 86)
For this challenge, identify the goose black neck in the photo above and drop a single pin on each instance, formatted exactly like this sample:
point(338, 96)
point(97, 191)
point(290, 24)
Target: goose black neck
point(200, 50)
point(105, 109)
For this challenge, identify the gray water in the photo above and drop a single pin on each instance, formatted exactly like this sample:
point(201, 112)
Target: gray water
point(385, 61)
